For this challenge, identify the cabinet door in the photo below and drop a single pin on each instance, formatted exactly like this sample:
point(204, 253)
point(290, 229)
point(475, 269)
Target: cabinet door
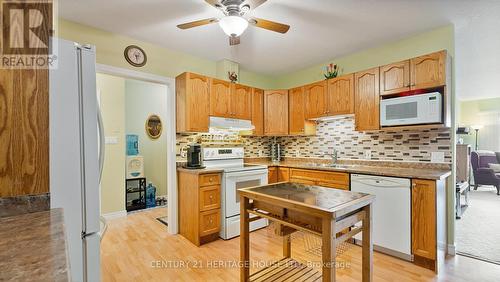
point(283, 174)
point(423, 210)
point(341, 95)
point(258, 111)
point(428, 71)
point(220, 98)
point(209, 198)
point(241, 101)
point(367, 100)
point(296, 110)
point(316, 100)
point(395, 78)
point(272, 175)
point(276, 112)
point(197, 103)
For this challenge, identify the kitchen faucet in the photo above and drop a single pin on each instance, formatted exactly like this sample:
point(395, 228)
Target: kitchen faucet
point(334, 157)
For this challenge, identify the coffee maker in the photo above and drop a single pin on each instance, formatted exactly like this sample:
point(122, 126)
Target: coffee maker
point(194, 156)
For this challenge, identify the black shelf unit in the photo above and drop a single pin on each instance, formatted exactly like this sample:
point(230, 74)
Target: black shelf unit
point(135, 193)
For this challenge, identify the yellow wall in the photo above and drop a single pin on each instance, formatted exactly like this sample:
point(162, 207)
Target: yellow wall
point(161, 61)
point(112, 102)
point(143, 99)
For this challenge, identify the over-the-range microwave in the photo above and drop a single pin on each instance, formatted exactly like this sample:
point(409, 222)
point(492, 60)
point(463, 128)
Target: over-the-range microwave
point(412, 110)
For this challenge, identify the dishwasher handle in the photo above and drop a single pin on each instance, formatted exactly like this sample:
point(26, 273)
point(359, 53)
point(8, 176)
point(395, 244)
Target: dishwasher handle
point(381, 182)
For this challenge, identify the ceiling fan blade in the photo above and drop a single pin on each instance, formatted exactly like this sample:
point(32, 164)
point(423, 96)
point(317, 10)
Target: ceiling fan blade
point(252, 3)
point(214, 3)
point(269, 25)
point(197, 23)
point(234, 40)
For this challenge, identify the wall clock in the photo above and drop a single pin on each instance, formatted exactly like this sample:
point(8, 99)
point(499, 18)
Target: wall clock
point(135, 56)
point(154, 126)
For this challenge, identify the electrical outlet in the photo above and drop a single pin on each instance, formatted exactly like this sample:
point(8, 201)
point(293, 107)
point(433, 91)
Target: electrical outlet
point(437, 157)
point(368, 154)
point(297, 153)
point(261, 153)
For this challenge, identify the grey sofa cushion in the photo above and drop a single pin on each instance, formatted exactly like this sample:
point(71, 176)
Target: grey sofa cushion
point(495, 167)
point(498, 156)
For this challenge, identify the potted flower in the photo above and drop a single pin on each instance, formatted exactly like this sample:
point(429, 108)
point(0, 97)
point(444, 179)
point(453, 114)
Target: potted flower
point(331, 71)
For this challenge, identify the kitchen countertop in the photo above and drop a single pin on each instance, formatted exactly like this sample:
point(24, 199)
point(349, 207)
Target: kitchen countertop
point(199, 171)
point(33, 246)
point(405, 172)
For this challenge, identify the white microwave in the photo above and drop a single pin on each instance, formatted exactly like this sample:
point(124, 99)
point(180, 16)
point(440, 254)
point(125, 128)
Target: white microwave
point(411, 110)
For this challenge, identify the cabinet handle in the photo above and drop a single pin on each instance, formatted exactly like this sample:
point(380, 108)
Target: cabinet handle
point(211, 179)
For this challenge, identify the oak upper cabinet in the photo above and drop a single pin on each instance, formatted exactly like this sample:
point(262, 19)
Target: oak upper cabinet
point(276, 112)
point(428, 71)
point(220, 98)
point(367, 100)
point(341, 95)
point(258, 111)
point(316, 99)
point(395, 78)
point(241, 101)
point(298, 125)
point(193, 102)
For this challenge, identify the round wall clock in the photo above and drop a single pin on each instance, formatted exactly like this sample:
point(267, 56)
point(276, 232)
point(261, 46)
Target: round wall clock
point(154, 126)
point(135, 56)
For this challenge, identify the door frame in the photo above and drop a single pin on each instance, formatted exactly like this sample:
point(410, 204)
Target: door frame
point(172, 196)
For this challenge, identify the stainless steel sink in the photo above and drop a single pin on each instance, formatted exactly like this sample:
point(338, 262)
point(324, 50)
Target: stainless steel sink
point(340, 166)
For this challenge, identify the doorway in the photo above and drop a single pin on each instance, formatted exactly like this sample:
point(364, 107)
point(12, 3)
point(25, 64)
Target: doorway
point(128, 99)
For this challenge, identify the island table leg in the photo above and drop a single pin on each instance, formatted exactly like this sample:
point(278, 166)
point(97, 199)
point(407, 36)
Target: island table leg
point(329, 250)
point(244, 240)
point(367, 252)
point(287, 246)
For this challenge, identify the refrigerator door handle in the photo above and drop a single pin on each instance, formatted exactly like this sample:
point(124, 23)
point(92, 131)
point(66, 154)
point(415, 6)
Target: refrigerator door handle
point(102, 142)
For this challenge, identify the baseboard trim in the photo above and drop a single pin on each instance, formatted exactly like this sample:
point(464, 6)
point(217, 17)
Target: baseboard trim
point(451, 250)
point(113, 215)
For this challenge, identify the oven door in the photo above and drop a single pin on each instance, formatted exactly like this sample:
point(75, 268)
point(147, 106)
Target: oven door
point(237, 180)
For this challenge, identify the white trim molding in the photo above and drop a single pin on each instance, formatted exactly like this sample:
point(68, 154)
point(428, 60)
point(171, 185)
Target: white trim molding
point(113, 215)
point(170, 131)
point(452, 250)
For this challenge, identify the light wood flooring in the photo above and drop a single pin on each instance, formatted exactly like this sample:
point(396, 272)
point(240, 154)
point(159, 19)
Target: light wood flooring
point(138, 248)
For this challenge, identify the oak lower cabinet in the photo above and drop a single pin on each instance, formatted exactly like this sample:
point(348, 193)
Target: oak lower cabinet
point(367, 100)
point(428, 71)
point(316, 99)
point(395, 78)
point(193, 102)
point(340, 96)
point(278, 174)
point(276, 112)
point(258, 111)
point(283, 174)
point(330, 179)
point(272, 174)
point(199, 206)
point(428, 222)
point(298, 125)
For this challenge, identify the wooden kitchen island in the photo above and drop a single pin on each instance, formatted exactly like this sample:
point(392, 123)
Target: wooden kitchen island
point(325, 212)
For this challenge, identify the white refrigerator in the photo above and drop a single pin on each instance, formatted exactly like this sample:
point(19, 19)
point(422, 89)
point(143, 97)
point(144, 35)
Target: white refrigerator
point(75, 155)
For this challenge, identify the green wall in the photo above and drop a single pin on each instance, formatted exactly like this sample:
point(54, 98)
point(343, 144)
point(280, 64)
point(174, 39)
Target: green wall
point(161, 61)
point(472, 112)
point(420, 44)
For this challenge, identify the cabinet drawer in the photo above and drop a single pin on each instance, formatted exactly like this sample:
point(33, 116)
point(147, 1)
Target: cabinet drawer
point(209, 222)
point(302, 181)
point(209, 179)
point(209, 198)
point(333, 185)
point(329, 178)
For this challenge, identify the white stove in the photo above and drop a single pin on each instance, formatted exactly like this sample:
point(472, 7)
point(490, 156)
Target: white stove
point(236, 175)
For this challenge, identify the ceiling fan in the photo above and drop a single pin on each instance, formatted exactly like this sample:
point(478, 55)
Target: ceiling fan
point(234, 23)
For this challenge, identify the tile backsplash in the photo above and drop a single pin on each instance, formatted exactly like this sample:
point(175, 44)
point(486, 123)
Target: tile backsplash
point(387, 145)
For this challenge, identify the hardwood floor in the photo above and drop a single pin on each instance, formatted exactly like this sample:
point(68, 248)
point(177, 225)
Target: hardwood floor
point(138, 248)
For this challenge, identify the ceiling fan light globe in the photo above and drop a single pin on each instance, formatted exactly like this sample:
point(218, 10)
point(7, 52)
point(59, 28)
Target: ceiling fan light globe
point(233, 25)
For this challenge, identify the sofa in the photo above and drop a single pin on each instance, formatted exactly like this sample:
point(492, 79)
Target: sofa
point(483, 174)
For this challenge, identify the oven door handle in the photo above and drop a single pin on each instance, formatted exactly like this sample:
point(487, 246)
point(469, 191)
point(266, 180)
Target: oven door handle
point(246, 173)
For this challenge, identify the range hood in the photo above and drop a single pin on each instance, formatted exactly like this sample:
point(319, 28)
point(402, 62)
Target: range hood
point(231, 124)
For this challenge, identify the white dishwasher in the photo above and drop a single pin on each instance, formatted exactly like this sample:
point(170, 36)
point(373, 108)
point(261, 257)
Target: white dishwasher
point(391, 213)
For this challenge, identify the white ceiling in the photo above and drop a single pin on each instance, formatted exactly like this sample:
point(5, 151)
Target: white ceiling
point(320, 30)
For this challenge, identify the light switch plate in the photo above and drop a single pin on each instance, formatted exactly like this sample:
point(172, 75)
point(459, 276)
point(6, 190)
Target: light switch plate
point(111, 140)
point(437, 157)
point(368, 154)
